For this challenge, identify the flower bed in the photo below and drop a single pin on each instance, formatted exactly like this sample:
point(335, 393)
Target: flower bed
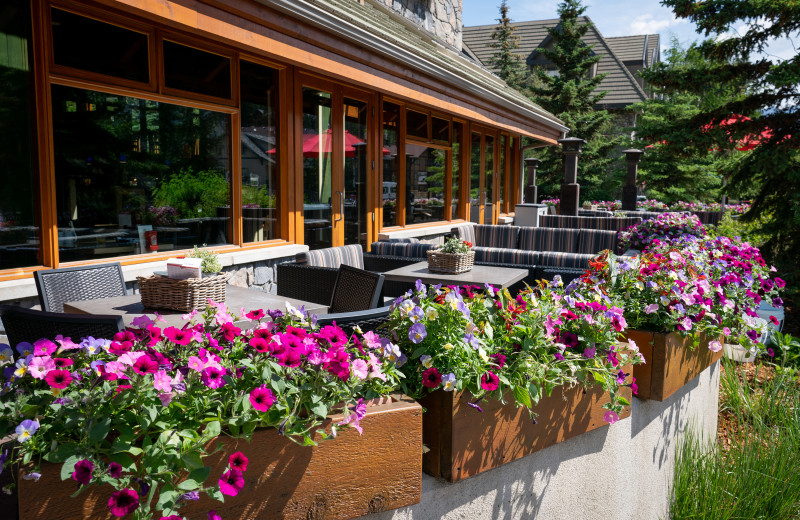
point(666, 227)
point(471, 348)
point(138, 414)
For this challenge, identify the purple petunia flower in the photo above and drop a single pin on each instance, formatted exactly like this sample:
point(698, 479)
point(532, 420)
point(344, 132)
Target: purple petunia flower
point(212, 377)
point(114, 470)
point(191, 496)
point(83, 472)
point(123, 503)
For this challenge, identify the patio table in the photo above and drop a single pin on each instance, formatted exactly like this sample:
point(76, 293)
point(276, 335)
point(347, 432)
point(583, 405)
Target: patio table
point(130, 306)
point(478, 275)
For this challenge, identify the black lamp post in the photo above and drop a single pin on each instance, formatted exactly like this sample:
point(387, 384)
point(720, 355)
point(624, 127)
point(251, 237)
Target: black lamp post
point(570, 189)
point(633, 156)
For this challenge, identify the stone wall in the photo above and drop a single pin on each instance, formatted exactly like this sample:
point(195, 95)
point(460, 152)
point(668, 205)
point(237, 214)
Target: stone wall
point(621, 472)
point(441, 18)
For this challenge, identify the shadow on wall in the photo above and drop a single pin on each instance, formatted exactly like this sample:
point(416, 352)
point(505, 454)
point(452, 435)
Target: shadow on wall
point(674, 424)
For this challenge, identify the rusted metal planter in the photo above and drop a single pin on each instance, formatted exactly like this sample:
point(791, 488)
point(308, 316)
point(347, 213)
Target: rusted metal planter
point(463, 442)
point(343, 478)
point(670, 362)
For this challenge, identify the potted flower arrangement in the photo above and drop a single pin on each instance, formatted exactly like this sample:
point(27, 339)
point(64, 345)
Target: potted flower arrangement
point(176, 421)
point(682, 297)
point(487, 367)
point(668, 226)
point(454, 256)
point(552, 204)
point(211, 265)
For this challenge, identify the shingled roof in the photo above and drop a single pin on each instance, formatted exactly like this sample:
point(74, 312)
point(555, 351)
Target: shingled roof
point(623, 88)
point(384, 32)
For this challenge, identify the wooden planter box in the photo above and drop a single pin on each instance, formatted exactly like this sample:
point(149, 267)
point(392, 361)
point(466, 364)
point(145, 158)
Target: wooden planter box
point(348, 477)
point(464, 442)
point(669, 362)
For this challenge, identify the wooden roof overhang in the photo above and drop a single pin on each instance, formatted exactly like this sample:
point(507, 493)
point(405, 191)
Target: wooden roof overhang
point(302, 34)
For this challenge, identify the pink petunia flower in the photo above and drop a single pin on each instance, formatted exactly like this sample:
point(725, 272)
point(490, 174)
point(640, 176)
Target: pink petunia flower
point(238, 461)
point(44, 347)
point(58, 379)
point(714, 346)
point(354, 416)
point(145, 365)
point(489, 381)
point(40, 366)
point(114, 470)
point(262, 398)
point(212, 377)
point(359, 368)
point(610, 417)
point(212, 515)
point(179, 336)
point(231, 482)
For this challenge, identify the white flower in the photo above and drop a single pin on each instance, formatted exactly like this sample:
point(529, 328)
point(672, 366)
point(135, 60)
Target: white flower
point(432, 313)
point(426, 361)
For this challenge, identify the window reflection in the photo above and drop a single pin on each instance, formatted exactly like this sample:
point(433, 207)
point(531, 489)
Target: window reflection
point(125, 166)
point(317, 168)
point(425, 176)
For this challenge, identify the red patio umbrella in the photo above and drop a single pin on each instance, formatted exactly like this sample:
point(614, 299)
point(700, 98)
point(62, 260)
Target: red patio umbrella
point(314, 144)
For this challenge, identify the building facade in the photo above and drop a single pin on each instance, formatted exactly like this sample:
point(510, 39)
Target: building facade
point(135, 129)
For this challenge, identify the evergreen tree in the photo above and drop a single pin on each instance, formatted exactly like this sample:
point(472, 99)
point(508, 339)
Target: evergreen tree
point(671, 175)
point(569, 95)
point(507, 64)
point(771, 169)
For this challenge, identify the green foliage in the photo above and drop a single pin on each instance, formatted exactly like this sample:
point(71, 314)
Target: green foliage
point(507, 64)
point(210, 259)
point(193, 194)
point(570, 96)
point(258, 196)
point(757, 477)
point(670, 174)
point(772, 169)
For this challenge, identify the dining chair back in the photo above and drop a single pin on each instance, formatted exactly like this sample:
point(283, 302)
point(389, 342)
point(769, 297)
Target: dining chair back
point(355, 290)
point(30, 325)
point(72, 284)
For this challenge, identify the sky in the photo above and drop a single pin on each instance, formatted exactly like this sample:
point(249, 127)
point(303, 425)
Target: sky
point(612, 18)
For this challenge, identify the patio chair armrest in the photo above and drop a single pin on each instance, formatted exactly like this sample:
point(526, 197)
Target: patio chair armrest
point(306, 282)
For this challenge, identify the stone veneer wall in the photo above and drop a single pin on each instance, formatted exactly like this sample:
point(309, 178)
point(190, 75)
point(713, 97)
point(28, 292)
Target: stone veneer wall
point(442, 18)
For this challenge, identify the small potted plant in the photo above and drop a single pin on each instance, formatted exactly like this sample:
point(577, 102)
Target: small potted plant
point(455, 256)
point(211, 265)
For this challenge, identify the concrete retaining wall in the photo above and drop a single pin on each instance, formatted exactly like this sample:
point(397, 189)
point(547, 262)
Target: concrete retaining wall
point(621, 472)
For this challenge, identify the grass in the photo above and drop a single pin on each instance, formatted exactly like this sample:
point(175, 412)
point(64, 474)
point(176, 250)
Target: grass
point(752, 471)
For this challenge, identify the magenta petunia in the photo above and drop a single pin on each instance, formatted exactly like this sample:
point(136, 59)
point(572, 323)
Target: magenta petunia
point(213, 377)
point(66, 362)
point(231, 482)
point(145, 365)
point(123, 502)
point(114, 470)
point(260, 344)
point(610, 417)
point(256, 314)
point(431, 378)
point(212, 515)
point(44, 347)
point(178, 336)
point(489, 381)
point(238, 461)
point(58, 379)
point(229, 331)
point(261, 398)
point(83, 472)
point(171, 517)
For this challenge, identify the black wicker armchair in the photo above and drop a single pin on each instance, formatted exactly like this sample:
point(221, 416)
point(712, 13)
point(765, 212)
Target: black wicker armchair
point(30, 325)
point(355, 290)
point(368, 320)
point(72, 284)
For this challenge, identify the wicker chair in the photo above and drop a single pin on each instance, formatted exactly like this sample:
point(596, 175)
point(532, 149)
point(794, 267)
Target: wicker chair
point(355, 290)
point(30, 325)
point(366, 320)
point(72, 284)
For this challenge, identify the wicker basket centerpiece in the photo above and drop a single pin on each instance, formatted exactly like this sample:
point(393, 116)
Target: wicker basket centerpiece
point(455, 256)
point(161, 292)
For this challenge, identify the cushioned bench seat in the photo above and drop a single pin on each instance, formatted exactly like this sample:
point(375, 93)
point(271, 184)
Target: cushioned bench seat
point(574, 222)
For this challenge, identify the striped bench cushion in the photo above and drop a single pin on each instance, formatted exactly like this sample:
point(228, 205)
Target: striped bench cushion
point(410, 250)
point(465, 231)
point(404, 240)
point(617, 223)
point(572, 260)
point(351, 255)
point(549, 239)
point(594, 213)
point(500, 255)
point(496, 236)
point(592, 241)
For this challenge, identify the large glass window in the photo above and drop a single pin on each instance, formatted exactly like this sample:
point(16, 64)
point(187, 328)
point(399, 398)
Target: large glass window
point(475, 193)
point(128, 170)
point(417, 125)
point(501, 176)
point(455, 185)
point(19, 220)
point(94, 46)
point(488, 184)
point(355, 172)
point(317, 168)
point(193, 70)
point(260, 152)
point(391, 120)
point(425, 176)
